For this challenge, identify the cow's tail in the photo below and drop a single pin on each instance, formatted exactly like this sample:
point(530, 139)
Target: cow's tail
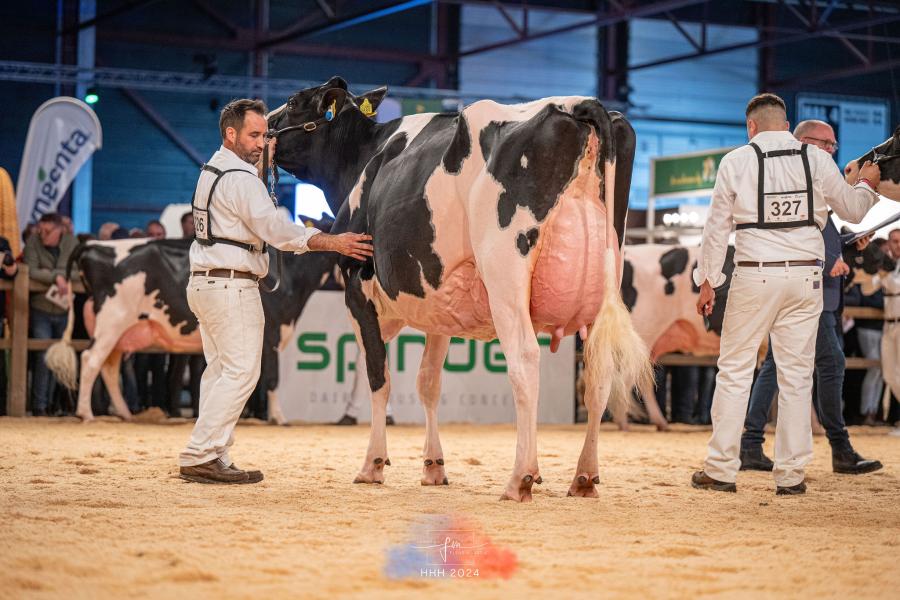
point(60, 357)
point(613, 351)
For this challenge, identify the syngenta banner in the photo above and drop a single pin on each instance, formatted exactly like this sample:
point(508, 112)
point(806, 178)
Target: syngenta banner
point(63, 134)
point(318, 371)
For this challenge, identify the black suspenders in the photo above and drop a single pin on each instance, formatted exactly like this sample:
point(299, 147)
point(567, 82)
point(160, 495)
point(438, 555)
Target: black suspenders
point(211, 239)
point(761, 223)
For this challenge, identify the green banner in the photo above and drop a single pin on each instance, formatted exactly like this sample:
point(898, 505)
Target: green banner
point(686, 174)
point(412, 106)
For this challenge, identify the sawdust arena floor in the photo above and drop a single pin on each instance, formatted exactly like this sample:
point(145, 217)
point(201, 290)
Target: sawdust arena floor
point(97, 511)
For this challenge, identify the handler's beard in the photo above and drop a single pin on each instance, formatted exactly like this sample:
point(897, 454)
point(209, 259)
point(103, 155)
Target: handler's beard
point(249, 154)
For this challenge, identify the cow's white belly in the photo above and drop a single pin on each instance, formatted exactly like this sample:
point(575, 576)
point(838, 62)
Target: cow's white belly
point(133, 317)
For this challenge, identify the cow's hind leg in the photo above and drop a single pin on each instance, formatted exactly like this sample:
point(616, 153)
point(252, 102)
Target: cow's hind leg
point(596, 397)
point(92, 362)
point(428, 384)
point(110, 373)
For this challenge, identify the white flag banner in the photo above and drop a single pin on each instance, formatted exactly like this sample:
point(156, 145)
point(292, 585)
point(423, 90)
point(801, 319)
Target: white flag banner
point(63, 134)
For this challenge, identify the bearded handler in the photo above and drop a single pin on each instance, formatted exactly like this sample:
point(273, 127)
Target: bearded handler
point(776, 190)
point(234, 220)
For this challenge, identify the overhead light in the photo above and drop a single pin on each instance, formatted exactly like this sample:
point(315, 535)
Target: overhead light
point(91, 96)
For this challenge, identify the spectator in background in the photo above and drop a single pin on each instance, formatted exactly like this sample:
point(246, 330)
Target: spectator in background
point(136, 233)
point(29, 230)
point(187, 225)
point(120, 233)
point(106, 231)
point(46, 254)
point(868, 333)
point(177, 362)
point(157, 230)
point(890, 341)
point(8, 269)
point(150, 369)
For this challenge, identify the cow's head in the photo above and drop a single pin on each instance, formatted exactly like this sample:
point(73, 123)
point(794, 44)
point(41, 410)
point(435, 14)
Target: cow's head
point(887, 156)
point(864, 265)
point(328, 125)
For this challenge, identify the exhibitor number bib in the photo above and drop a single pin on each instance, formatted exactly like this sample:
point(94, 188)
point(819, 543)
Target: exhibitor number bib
point(782, 209)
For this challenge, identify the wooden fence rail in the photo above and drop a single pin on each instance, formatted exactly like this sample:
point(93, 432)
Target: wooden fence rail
point(21, 287)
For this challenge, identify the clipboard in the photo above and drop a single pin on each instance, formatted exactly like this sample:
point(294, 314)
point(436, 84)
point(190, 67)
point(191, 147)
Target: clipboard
point(852, 238)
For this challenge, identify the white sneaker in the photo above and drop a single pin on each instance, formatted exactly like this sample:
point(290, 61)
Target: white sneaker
point(895, 432)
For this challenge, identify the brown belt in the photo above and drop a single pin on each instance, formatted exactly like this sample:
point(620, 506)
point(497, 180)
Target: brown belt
point(229, 273)
point(781, 263)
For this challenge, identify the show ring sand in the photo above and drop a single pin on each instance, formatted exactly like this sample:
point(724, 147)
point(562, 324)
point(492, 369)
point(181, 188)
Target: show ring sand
point(97, 510)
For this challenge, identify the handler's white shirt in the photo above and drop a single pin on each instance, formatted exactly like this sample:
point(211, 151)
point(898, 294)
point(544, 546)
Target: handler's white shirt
point(734, 199)
point(241, 210)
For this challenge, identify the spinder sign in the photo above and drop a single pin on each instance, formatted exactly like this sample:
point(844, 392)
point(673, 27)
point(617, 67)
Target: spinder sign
point(63, 134)
point(318, 367)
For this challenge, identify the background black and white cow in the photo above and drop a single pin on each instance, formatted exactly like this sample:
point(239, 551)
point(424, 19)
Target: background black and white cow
point(659, 292)
point(137, 298)
point(497, 221)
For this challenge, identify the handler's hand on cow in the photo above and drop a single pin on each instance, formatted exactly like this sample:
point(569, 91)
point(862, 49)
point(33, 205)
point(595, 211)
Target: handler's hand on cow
point(354, 245)
point(707, 300)
point(872, 172)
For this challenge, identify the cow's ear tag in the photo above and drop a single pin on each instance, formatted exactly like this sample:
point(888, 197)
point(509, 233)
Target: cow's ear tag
point(366, 108)
point(329, 114)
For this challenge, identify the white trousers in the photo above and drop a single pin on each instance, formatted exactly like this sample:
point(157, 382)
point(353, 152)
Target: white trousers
point(890, 356)
point(231, 327)
point(784, 302)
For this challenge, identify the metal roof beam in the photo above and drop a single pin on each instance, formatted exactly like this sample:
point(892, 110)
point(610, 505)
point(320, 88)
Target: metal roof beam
point(801, 82)
point(603, 20)
point(113, 12)
point(769, 43)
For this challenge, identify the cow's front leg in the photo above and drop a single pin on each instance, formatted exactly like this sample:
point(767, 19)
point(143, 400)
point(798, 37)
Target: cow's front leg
point(371, 336)
point(428, 384)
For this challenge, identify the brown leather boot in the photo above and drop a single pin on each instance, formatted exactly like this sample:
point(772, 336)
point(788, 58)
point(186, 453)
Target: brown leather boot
point(252, 476)
point(702, 481)
point(213, 471)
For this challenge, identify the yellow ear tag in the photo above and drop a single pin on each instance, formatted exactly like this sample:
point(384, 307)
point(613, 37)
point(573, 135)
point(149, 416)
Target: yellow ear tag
point(366, 108)
point(332, 110)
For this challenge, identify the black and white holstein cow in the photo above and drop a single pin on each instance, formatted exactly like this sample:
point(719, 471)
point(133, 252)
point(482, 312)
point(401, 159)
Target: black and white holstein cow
point(496, 221)
point(138, 298)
